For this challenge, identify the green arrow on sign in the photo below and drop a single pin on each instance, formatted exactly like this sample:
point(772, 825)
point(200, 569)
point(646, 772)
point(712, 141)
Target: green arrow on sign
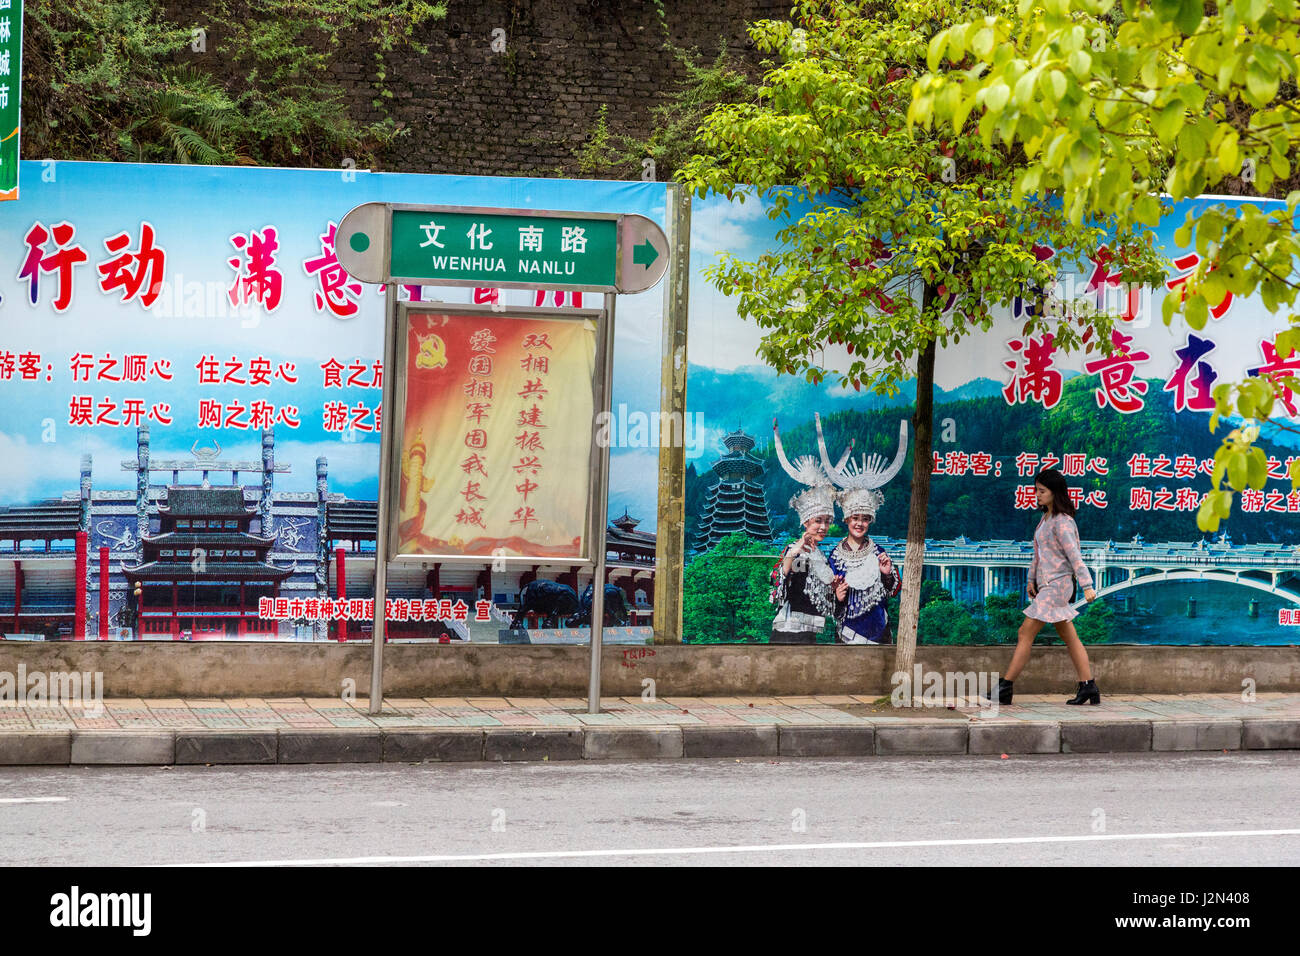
point(644, 254)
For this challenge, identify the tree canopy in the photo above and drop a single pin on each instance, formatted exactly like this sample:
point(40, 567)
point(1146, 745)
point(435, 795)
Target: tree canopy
point(880, 212)
point(1111, 105)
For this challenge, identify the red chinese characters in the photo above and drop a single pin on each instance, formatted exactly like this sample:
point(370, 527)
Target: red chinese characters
point(557, 297)
point(26, 365)
point(1103, 278)
point(530, 421)
point(1188, 266)
point(1035, 379)
point(83, 410)
point(478, 390)
point(257, 279)
point(235, 414)
point(136, 272)
point(336, 291)
point(1281, 371)
point(1192, 392)
point(65, 257)
point(1117, 385)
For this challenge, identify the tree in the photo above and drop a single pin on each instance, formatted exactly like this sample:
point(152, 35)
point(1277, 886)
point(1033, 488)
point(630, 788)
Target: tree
point(907, 240)
point(946, 622)
point(1096, 623)
point(1112, 105)
point(1003, 615)
point(726, 590)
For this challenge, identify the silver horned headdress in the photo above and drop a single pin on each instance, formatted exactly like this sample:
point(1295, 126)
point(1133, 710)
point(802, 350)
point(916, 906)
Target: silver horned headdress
point(859, 484)
point(819, 496)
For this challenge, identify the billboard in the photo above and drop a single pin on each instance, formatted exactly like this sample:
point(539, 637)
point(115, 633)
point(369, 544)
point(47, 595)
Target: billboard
point(1130, 432)
point(174, 327)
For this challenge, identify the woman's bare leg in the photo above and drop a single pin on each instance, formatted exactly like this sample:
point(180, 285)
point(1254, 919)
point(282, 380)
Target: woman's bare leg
point(1024, 643)
point(1078, 654)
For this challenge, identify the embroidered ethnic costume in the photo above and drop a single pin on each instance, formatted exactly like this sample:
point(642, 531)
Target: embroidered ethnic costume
point(804, 595)
point(861, 615)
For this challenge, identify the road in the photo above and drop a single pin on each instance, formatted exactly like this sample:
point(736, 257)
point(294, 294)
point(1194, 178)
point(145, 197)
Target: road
point(1129, 809)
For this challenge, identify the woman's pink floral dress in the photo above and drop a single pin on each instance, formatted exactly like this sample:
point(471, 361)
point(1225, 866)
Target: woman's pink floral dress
point(1056, 558)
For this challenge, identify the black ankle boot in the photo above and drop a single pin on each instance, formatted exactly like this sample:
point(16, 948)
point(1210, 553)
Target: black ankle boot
point(1087, 693)
point(1002, 694)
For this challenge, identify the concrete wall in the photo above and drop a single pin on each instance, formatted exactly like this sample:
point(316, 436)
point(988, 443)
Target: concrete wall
point(254, 669)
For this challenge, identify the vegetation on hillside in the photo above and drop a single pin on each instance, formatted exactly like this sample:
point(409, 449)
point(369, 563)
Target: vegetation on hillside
point(118, 80)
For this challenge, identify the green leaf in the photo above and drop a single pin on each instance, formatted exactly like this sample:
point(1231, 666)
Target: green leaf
point(1080, 63)
point(1238, 471)
point(1229, 161)
point(1261, 84)
point(1166, 10)
point(1057, 79)
point(1190, 15)
point(938, 43)
point(1169, 121)
point(982, 44)
point(1257, 468)
point(996, 96)
point(1207, 518)
point(1223, 504)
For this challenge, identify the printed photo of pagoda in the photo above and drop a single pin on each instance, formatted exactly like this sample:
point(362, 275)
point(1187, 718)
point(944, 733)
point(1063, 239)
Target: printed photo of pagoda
point(191, 549)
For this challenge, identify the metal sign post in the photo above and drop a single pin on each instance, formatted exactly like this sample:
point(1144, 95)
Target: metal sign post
point(387, 441)
point(506, 248)
point(602, 511)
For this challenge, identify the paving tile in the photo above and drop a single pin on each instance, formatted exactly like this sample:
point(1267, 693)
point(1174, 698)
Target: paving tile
point(488, 703)
point(478, 720)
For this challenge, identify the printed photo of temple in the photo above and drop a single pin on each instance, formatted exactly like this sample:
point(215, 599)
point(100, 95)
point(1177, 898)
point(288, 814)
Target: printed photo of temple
point(189, 552)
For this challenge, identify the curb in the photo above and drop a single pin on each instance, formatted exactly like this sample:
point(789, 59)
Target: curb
point(456, 745)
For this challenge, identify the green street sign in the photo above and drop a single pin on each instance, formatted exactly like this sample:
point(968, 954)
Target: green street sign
point(501, 248)
point(11, 80)
point(451, 245)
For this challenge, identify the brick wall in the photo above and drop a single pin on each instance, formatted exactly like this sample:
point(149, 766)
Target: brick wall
point(523, 111)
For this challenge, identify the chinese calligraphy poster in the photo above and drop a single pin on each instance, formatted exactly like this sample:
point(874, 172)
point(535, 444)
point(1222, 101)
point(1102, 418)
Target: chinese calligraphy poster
point(496, 438)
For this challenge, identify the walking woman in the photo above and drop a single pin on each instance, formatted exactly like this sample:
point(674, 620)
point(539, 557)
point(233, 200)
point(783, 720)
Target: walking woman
point(1056, 558)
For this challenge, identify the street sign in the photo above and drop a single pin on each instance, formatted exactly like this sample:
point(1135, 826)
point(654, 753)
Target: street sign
point(501, 248)
point(11, 73)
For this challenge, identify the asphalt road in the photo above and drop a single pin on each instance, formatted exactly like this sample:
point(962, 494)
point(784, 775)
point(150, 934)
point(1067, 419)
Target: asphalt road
point(1131, 809)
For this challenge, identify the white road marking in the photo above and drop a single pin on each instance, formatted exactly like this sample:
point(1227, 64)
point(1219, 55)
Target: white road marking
point(773, 848)
point(33, 799)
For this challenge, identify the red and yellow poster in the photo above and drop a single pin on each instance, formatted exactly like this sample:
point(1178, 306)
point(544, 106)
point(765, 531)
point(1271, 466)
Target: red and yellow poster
point(496, 435)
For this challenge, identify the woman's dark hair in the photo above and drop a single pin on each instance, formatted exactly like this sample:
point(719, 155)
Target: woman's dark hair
point(1054, 481)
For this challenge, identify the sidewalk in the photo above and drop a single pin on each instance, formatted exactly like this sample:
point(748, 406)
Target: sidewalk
point(313, 730)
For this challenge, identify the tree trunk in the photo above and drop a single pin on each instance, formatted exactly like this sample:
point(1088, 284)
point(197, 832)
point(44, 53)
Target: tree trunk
point(909, 602)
